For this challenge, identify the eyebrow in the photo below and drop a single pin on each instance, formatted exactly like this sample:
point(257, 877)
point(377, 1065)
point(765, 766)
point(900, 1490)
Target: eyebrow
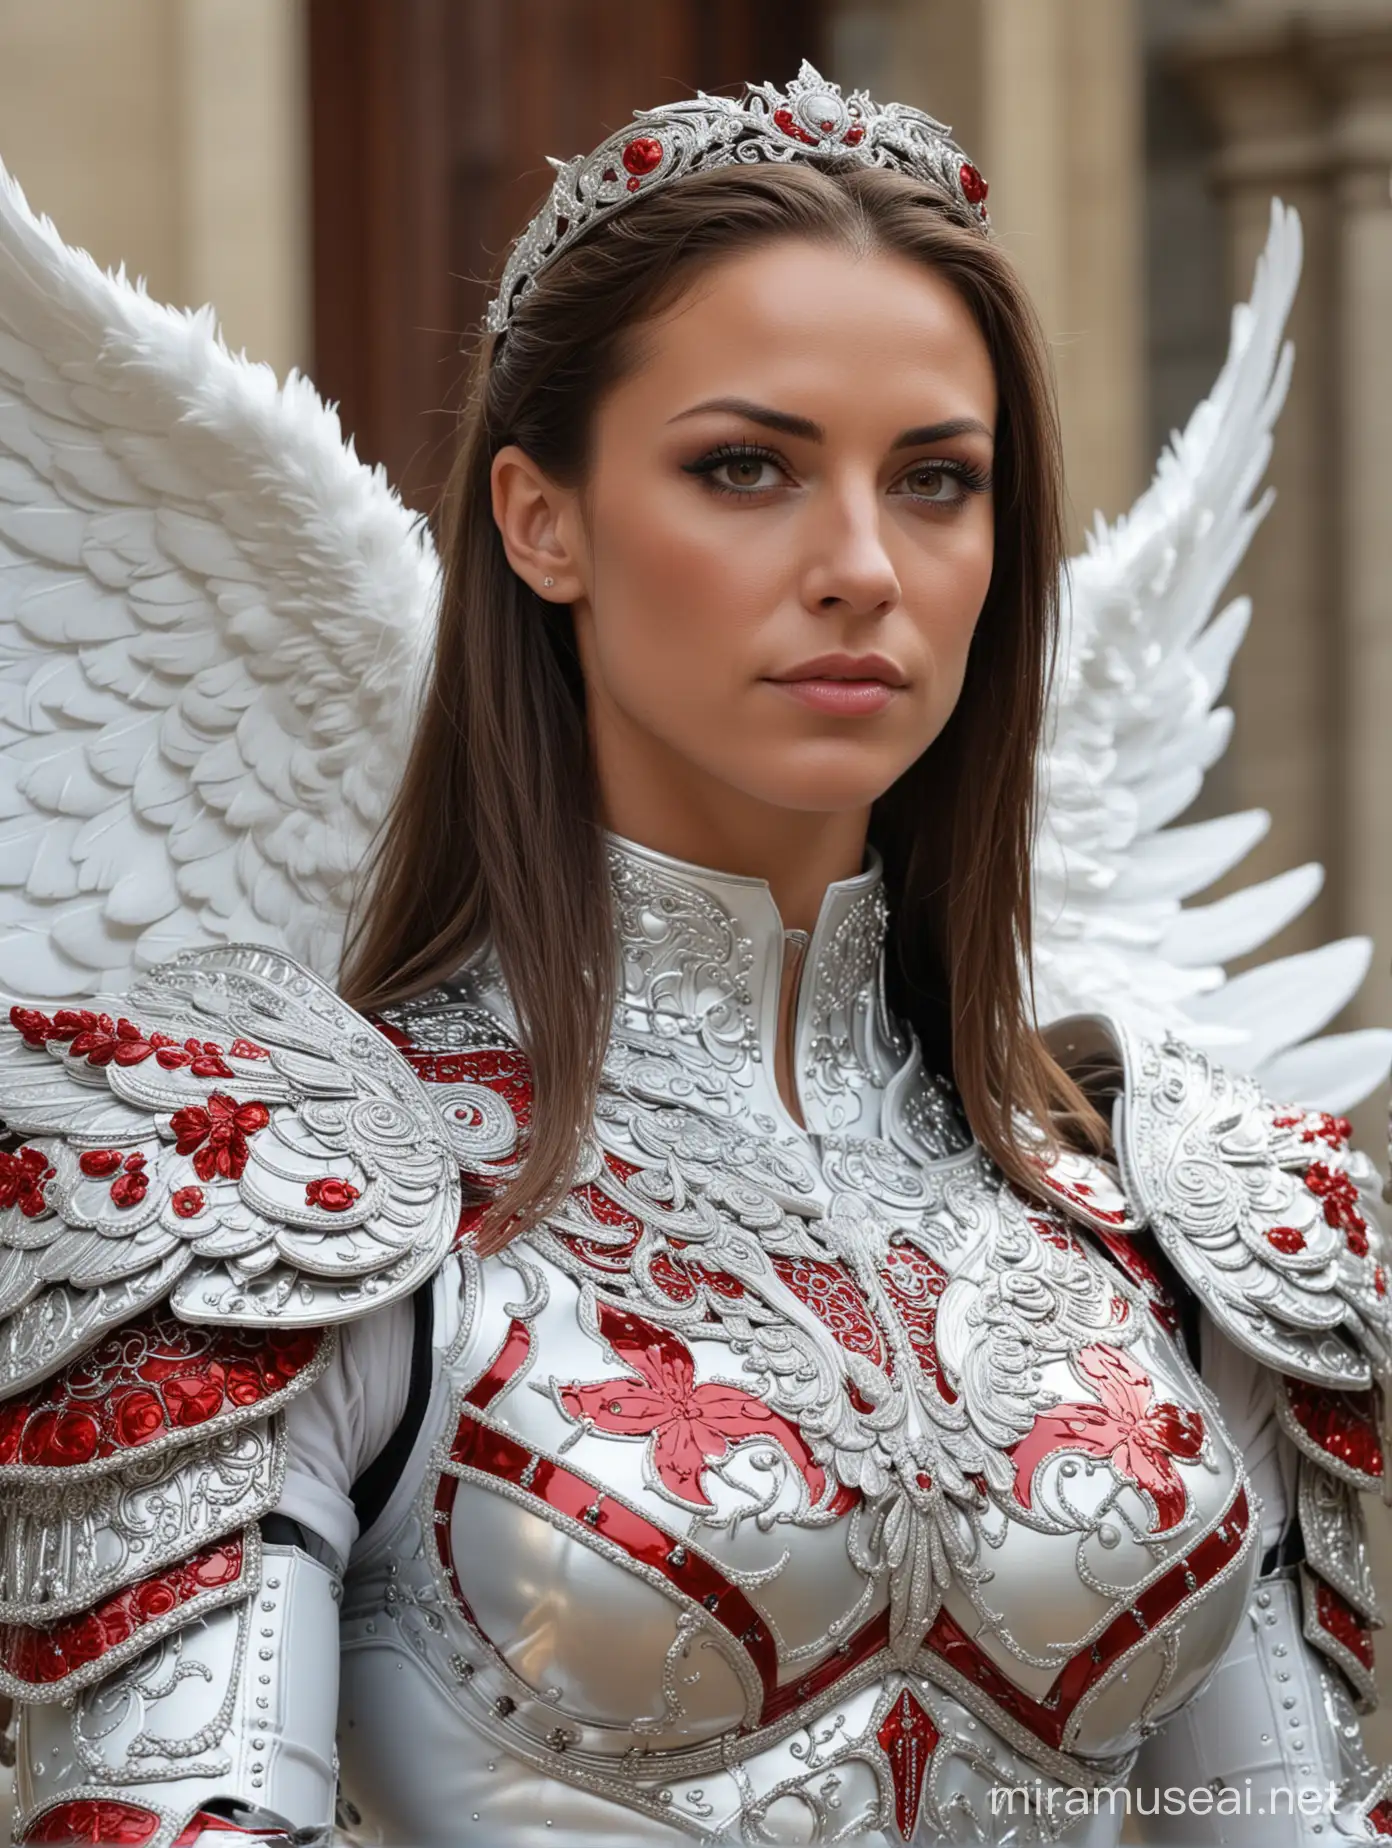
point(787, 424)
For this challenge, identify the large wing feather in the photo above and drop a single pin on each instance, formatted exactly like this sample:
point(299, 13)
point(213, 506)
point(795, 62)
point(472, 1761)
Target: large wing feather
point(212, 621)
point(1133, 727)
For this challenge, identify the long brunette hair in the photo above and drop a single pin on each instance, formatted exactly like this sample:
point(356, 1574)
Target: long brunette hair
point(495, 834)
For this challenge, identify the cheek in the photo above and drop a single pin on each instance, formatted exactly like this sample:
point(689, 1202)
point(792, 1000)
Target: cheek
point(677, 601)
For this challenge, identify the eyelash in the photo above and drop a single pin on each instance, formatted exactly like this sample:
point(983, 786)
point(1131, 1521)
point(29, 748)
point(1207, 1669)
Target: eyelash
point(973, 479)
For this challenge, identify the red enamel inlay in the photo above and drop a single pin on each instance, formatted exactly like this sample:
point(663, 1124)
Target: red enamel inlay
point(187, 1202)
point(41, 1656)
point(1048, 1718)
point(832, 1297)
point(504, 1071)
point(1318, 1126)
point(1380, 1817)
point(1342, 1424)
point(99, 1820)
point(517, 1344)
point(1289, 1239)
point(1340, 1198)
point(330, 1194)
point(130, 1189)
point(690, 1426)
point(907, 1737)
point(914, 1283)
point(1134, 1432)
point(148, 1378)
point(643, 154)
point(974, 187)
point(247, 1049)
point(1337, 1617)
point(217, 1137)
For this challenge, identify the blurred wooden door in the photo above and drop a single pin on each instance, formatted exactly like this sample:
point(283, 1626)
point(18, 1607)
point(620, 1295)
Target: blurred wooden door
point(431, 121)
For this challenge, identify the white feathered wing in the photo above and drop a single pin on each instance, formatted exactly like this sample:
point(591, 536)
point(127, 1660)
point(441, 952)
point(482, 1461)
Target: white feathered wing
point(1132, 729)
point(212, 623)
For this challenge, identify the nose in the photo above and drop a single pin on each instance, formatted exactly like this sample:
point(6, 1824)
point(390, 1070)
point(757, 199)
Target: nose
point(848, 568)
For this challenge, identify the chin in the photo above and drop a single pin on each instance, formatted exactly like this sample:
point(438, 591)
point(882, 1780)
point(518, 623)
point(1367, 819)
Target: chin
point(827, 790)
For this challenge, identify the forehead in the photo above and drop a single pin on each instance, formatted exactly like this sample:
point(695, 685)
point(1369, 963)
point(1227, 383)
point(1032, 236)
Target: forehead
point(815, 329)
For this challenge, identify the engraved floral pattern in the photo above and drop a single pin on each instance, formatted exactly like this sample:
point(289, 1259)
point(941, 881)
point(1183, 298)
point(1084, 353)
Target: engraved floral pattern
point(1139, 1436)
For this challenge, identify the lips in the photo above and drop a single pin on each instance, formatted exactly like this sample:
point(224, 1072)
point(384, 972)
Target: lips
point(853, 669)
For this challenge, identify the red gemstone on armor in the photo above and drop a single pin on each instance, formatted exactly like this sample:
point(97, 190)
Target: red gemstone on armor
point(98, 1163)
point(1380, 1817)
point(974, 186)
point(633, 184)
point(129, 1190)
point(330, 1194)
point(642, 154)
point(247, 1049)
point(187, 1202)
point(1337, 1617)
point(1289, 1239)
point(93, 1819)
point(1380, 1280)
point(23, 1175)
point(1342, 1424)
point(908, 1738)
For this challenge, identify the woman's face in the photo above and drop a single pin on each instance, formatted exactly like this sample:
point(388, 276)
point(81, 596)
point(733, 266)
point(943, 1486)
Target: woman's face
point(785, 535)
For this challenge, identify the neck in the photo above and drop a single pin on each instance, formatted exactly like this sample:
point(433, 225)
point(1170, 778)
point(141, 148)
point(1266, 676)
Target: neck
point(797, 853)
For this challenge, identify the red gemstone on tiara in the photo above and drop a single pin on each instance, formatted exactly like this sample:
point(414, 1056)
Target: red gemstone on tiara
point(642, 155)
point(854, 135)
point(974, 186)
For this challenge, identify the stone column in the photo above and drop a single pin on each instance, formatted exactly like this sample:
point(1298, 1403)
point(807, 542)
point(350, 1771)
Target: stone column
point(1270, 115)
point(1045, 94)
point(169, 135)
point(1358, 66)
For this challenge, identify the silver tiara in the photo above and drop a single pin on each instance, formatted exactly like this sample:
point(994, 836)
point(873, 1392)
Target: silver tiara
point(810, 121)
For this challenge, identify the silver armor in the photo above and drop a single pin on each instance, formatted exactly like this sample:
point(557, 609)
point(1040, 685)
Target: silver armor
point(793, 1481)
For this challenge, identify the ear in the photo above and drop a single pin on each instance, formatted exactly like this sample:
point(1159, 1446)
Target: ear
point(539, 524)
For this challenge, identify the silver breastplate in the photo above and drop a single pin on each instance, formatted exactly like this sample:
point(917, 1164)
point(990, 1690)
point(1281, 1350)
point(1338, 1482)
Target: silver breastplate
point(794, 1481)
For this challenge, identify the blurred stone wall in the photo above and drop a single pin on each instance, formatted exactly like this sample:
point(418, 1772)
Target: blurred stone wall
point(171, 135)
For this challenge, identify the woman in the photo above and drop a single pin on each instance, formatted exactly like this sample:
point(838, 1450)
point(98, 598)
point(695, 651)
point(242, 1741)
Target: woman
point(771, 1438)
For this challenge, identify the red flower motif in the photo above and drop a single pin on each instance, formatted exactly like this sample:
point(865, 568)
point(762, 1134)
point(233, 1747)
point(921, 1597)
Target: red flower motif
point(187, 1202)
point(330, 1194)
point(1340, 1198)
point(691, 1426)
point(217, 1137)
point(23, 1175)
point(1134, 1433)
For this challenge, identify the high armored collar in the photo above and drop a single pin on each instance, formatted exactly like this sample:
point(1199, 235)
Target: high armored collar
point(703, 954)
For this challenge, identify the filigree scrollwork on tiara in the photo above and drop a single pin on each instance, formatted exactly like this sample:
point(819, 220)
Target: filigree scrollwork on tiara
point(811, 120)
